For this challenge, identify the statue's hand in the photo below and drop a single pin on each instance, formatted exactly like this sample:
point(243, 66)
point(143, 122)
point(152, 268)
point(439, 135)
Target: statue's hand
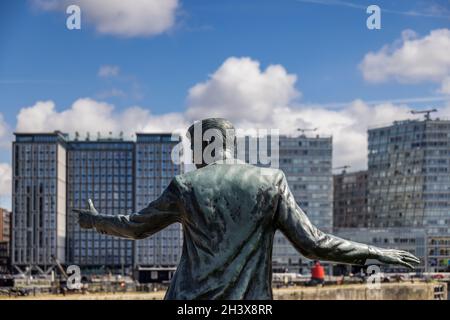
point(392, 256)
point(86, 216)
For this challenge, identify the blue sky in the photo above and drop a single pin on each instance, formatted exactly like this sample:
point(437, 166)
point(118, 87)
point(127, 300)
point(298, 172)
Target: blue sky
point(321, 42)
point(323, 45)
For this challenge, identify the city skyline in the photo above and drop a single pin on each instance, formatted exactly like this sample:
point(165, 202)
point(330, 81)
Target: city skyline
point(407, 192)
point(401, 201)
point(54, 174)
point(188, 62)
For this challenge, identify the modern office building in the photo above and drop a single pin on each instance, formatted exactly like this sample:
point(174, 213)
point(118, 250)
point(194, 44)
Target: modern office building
point(54, 174)
point(153, 171)
point(5, 236)
point(5, 225)
point(350, 194)
point(409, 175)
point(414, 240)
point(39, 199)
point(103, 171)
point(409, 182)
point(4, 256)
point(307, 165)
point(409, 190)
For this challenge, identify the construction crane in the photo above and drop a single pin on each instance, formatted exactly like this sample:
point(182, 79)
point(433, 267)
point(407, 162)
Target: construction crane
point(65, 277)
point(343, 168)
point(59, 266)
point(306, 130)
point(426, 113)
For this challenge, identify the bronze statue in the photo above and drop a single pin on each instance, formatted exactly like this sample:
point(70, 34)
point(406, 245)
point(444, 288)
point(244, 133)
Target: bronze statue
point(230, 212)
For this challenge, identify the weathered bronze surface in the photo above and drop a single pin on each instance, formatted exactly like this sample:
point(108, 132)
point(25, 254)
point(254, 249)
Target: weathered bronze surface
point(229, 214)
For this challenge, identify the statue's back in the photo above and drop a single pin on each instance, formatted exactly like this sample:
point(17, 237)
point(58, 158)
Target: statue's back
point(228, 231)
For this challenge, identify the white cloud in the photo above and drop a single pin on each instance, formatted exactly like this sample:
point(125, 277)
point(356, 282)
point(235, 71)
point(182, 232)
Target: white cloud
point(4, 133)
point(84, 115)
point(251, 97)
point(5, 179)
point(108, 71)
point(88, 115)
point(243, 92)
point(411, 59)
point(123, 18)
point(348, 126)
point(3, 126)
point(5, 169)
point(445, 87)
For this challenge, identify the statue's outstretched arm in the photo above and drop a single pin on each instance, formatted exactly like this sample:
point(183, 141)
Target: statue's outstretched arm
point(315, 244)
point(156, 216)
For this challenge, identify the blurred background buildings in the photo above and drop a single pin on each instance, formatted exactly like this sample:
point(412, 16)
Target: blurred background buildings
point(401, 201)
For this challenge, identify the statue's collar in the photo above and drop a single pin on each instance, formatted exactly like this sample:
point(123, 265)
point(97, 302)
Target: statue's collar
point(225, 157)
point(228, 161)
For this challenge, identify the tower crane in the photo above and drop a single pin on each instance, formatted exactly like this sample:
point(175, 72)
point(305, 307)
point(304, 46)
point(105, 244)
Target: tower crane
point(426, 113)
point(302, 130)
point(343, 168)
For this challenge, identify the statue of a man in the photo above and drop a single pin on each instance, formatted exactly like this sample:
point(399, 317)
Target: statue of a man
point(230, 212)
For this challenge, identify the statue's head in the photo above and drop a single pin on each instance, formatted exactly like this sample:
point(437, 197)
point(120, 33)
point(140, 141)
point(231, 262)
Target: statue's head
point(211, 139)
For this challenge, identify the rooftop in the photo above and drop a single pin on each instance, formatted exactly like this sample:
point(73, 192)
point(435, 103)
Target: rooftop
point(58, 136)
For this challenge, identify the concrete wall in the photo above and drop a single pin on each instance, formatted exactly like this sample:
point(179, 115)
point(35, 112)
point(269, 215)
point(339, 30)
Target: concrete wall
point(395, 291)
point(398, 291)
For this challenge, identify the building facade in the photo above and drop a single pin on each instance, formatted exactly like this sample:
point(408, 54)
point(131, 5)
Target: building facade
point(307, 165)
point(414, 240)
point(54, 174)
point(4, 256)
point(5, 225)
point(409, 191)
point(350, 195)
point(101, 170)
point(409, 175)
point(5, 236)
point(153, 171)
point(124, 176)
point(39, 199)
point(409, 182)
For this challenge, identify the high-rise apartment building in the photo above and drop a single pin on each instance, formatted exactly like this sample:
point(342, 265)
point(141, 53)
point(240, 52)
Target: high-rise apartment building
point(103, 171)
point(5, 229)
point(350, 200)
point(409, 175)
point(5, 225)
point(154, 170)
point(54, 174)
point(39, 199)
point(409, 191)
point(409, 183)
point(307, 165)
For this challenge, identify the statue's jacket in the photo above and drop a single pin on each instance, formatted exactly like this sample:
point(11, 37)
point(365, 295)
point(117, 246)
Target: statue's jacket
point(229, 214)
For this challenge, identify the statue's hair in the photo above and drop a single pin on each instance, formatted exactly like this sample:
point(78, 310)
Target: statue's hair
point(224, 126)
